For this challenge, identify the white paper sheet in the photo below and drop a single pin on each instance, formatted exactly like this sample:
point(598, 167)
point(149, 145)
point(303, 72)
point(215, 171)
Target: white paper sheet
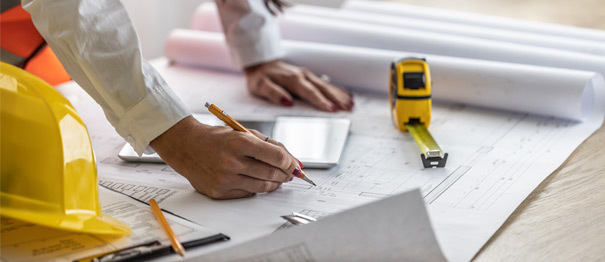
point(455, 17)
point(538, 90)
point(23, 241)
point(392, 229)
point(496, 159)
point(351, 33)
point(426, 25)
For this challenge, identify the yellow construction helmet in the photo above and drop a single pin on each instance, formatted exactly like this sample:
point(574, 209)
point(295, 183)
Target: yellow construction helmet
point(48, 171)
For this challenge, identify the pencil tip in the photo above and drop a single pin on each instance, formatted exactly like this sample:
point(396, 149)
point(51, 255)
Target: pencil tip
point(305, 178)
point(181, 252)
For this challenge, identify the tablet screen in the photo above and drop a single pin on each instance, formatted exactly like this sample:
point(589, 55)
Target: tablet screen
point(317, 142)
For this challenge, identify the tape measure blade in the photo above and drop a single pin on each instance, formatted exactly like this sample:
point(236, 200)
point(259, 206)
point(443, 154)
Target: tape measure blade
point(425, 140)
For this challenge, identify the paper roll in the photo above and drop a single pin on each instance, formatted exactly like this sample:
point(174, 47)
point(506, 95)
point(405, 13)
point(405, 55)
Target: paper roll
point(475, 31)
point(332, 31)
point(435, 14)
point(537, 90)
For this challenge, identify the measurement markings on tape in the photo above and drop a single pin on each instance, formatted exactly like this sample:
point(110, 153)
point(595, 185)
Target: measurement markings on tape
point(431, 153)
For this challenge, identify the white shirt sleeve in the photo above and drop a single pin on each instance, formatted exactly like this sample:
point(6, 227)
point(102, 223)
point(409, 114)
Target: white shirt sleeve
point(252, 33)
point(98, 46)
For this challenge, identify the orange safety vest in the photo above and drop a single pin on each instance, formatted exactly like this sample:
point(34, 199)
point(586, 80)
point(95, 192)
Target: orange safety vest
point(21, 45)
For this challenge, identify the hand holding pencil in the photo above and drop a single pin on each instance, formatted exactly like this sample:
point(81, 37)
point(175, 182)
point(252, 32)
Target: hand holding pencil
point(222, 163)
point(238, 127)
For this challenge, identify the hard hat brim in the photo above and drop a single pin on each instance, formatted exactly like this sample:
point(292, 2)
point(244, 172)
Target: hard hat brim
point(84, 222)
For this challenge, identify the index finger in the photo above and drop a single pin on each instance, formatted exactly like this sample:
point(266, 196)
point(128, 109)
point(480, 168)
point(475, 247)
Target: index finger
point(271, 154)
point(275, 142)
point(269, 139)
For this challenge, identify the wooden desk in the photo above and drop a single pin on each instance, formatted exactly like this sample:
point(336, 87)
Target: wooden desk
point(564, 218)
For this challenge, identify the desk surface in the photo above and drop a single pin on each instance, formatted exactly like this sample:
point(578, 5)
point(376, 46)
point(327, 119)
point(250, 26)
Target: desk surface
point(563, 218)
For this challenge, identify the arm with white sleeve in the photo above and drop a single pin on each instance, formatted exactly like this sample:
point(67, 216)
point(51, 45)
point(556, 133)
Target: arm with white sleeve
point(252, 34)
point(98, 46)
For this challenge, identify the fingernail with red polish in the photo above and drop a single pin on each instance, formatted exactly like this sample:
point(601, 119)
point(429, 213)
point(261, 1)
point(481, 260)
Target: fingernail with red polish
point(334, 109)
point(350, 105)
point(297, 172)
point(286, 102)
point(301, 164)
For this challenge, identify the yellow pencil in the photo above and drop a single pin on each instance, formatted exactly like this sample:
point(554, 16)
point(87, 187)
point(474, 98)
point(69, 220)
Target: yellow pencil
point(239, 127)
point(176, 244)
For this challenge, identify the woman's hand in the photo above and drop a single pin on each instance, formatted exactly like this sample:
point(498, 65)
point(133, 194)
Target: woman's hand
point(223, 163)
point(277, 81)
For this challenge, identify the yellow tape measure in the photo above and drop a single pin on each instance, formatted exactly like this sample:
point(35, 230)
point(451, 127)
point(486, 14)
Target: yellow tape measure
point(410, 99)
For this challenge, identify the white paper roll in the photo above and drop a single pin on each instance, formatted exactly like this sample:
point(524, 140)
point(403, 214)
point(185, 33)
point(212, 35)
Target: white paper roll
point(435, 14)
point(538, 90)
point(509, 36)
point(333, 31)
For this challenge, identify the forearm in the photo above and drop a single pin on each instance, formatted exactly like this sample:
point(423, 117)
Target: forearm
point(98, 46)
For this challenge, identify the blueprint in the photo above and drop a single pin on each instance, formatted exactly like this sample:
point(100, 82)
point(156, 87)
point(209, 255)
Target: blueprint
point(496, 159)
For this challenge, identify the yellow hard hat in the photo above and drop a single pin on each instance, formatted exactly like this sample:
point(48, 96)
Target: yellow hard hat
point(48, 171)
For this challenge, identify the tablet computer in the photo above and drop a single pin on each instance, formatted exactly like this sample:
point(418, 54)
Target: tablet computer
point(316, 142)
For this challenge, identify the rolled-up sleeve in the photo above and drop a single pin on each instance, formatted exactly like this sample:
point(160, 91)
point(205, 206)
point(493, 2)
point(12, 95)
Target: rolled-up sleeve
point(98, 46)
point(251, 31)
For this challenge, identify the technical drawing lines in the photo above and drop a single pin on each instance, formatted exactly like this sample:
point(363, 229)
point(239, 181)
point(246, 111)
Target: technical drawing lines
point(509, 160)
point(140, 192)
point(540, 148)
point(433, 194)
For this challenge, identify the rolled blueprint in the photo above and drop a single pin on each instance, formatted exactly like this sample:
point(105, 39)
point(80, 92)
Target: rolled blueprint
point(333, 31)
point(538, 90)
point(455, 17)
point(509, 36)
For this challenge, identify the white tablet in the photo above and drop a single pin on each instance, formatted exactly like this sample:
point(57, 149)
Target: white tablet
point(316, 142)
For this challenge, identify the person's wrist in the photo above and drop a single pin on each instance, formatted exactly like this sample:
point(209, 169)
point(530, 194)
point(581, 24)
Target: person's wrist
point(254, 67)
point(172, 136)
